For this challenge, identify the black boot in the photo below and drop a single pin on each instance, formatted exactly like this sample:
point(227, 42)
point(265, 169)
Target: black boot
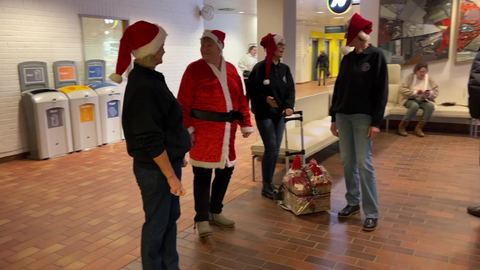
point(370, 224)
point(349, 211)
point(269, 191)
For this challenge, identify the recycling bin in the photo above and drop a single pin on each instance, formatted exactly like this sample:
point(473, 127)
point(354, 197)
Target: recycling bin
point(111, 102)
point(48, 123)
point(84, 111)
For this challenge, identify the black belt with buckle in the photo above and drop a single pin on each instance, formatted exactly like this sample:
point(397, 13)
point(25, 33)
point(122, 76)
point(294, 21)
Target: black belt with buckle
point(231, 116)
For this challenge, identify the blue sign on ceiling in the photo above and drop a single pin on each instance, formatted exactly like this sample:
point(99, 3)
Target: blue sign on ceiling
point(339, 7)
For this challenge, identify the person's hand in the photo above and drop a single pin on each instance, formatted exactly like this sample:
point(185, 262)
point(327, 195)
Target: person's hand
point(419, 92)
point(288, 112)
point(185, 163)
point(176, 187)
point(246, 134)
point(271, 101)
point(192, 138)
point(372, 132)
point(333, 129)
point(426, 93)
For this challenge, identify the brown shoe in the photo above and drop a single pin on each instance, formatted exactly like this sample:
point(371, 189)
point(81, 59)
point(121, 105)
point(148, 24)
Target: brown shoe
point(419, 129)
point(474, 210)
point(402, 128)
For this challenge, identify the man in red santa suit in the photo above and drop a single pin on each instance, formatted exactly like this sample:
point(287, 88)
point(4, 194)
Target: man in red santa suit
point(214, 104)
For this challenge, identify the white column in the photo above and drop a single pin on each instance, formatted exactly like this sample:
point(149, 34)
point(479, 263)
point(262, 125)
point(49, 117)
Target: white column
point(290, 34)
point(278, 17)
point(370, 10)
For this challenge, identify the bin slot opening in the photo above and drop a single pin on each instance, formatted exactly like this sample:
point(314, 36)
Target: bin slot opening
point(39, 91)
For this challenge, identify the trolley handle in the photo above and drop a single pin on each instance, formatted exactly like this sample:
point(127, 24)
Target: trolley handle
point(299, 118)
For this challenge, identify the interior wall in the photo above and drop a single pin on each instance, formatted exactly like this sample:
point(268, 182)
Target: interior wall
point(451, 78)
point(49, 30)
point(240, 30)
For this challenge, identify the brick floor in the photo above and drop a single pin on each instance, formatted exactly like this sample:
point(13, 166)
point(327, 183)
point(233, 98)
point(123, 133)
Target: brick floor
point(84, 211)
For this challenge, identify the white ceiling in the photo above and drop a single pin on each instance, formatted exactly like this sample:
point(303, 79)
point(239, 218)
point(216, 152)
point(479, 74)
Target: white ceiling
point(306, 11)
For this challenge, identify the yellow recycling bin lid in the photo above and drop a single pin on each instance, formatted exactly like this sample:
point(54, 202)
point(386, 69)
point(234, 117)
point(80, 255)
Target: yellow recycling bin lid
point(73, 88)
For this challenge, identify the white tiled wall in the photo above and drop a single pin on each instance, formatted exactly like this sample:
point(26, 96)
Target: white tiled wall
point(49, 30)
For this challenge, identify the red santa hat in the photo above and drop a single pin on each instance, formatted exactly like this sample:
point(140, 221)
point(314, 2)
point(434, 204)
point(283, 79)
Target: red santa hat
point(269, 43)
point(217, 36)
point(140, 39)
point(358, 26)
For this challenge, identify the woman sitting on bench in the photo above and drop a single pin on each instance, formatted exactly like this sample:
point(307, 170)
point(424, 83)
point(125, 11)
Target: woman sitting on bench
point(419, 92)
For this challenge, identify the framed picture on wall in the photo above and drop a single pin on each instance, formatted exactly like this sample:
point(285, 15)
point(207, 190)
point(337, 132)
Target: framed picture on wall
point(468, 31)
point(412, 31)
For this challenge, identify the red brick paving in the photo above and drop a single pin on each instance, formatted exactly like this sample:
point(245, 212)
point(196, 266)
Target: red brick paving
point(83, 211)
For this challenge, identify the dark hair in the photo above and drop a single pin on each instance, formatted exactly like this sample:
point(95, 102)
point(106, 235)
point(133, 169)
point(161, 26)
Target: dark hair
point(420, 66)
point(251, 48)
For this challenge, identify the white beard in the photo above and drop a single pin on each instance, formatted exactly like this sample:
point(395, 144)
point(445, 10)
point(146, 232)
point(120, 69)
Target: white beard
point(346, 50)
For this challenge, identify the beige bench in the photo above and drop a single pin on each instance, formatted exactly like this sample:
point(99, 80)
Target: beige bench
point(316, 129)
point(442, 114)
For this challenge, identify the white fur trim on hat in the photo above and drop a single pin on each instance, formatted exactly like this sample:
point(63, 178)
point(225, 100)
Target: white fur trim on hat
point(363, 36)
point(116, 78)
point(266, 82)
point(278, 39)
point(152, 47)
point(209, 34)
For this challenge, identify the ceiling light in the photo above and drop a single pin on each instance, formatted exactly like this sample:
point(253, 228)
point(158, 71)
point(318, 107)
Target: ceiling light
point(338, 18)
point(241, 12)
point(319, 12)
point(107, 32)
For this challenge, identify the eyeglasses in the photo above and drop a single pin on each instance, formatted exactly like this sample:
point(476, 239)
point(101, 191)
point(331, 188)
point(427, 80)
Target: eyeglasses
point(281, 45)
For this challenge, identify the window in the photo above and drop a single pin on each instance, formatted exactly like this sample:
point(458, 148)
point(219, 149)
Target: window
point(101, 39)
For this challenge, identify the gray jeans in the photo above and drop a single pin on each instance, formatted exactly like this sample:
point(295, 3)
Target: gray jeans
point(356, 152)
point(413, 105)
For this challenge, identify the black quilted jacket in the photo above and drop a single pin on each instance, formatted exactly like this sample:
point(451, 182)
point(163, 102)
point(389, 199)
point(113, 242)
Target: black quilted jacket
point(474, 88)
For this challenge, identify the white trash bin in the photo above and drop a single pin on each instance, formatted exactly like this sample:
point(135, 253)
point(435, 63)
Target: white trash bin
point(48, 122)
point(85, 117)
point(111, 103)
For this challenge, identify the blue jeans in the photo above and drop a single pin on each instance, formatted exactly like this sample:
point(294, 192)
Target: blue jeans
point(413, 105)
point(271, 131)
point(356, 151)
point(162, 210)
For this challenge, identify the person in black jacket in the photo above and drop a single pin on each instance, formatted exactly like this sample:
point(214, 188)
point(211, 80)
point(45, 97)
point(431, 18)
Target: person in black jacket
point(322, 64)
point(474, 107)
point(272, 90)
point(358, 106)
point(156, 139)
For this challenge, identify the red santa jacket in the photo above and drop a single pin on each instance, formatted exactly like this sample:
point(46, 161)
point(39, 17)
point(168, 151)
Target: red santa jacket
point(204, 87)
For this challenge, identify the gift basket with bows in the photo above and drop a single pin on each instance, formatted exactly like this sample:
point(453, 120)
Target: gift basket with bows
point(306, 189)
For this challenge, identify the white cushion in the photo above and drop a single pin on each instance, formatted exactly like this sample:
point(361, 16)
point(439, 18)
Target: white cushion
point(394, 81)
point(314, 131)
point(452, 112)
point(394, 73)
point(389, 108)
point(319, 123)
point(311, 144)
point(393, 95)
point(440, 111)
